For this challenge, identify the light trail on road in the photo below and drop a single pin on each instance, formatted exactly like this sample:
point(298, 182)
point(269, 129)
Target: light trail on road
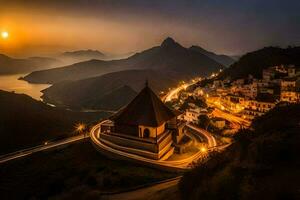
point(181, 164)
point(231, 118)
point(174, 93)
point(29, 151)
point(210, 138)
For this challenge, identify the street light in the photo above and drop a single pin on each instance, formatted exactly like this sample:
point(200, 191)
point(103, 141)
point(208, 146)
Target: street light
point(203, 149)
point(80, 128)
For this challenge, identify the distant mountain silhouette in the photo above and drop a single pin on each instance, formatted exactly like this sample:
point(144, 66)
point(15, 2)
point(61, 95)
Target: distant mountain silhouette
point(10, 65)
point(81, 55)
point(109, 92)
point(75, 71)
point(169, 57)
point(26, 122)
point(254, 62)
point(223, 59)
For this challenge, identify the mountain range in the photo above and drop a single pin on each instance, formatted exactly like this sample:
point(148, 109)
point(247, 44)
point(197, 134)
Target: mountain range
point(109, 85)
point(9, 65)
point(169, 57)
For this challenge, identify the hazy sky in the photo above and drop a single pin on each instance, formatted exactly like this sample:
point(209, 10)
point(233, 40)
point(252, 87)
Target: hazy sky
point(122, 26)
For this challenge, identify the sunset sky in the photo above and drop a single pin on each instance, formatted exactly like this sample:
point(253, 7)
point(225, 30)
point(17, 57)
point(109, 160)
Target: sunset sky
point(41, 27)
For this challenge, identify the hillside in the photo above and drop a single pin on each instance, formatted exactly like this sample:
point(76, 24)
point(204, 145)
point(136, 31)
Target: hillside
point(75, 171)
point(10, 65)
point(109, 92)
point(263, 163)
point(254, 62)
point(169, 57)
point(223, 59)
point(75, 71)
point(26, 122)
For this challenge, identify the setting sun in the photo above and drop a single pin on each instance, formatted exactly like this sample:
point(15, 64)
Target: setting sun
point(4, 34)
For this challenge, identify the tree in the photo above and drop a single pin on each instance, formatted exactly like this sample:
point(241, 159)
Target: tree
point(203, 121)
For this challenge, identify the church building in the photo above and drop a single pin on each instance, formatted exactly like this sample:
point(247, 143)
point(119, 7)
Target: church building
point(145, 127)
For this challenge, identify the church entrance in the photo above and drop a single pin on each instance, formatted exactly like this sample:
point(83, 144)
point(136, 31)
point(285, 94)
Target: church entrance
point(146, 133)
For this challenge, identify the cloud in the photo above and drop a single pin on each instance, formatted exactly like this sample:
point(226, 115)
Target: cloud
point(231, 26)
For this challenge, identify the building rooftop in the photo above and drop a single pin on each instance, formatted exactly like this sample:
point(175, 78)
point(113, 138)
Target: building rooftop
point(145, 109)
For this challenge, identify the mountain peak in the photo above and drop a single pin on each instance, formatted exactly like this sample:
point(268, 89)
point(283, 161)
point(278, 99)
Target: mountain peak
point(168, 42)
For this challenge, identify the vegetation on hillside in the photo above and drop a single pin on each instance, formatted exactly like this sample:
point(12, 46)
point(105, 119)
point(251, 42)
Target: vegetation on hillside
point(263, 163)
point(108, 92)
point(254, 62)
point(26, 122)
point(201, 103)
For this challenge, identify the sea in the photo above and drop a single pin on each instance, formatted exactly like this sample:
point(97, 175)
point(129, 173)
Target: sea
point(12, 83)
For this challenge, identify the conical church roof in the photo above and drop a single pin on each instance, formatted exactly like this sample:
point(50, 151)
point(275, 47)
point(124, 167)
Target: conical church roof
point(145, 109)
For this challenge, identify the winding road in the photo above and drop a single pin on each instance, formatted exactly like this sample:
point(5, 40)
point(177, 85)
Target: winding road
point(182, 164)
point(231, 118)
point(211, 141)
point(29, 151)
point(174, 93)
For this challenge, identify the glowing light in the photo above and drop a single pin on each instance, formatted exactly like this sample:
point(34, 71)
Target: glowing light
point(203, 149)
point(80, 127)
point(4, 34)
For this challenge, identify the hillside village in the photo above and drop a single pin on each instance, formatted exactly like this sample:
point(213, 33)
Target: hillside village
point(245, 98)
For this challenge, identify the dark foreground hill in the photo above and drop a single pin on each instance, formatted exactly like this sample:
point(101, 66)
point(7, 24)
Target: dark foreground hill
point(26, 122)
point(254, 62)
point(169, 57)
point(75, 171)
point(108, 92)
point(263, 163)
point(10, 65)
